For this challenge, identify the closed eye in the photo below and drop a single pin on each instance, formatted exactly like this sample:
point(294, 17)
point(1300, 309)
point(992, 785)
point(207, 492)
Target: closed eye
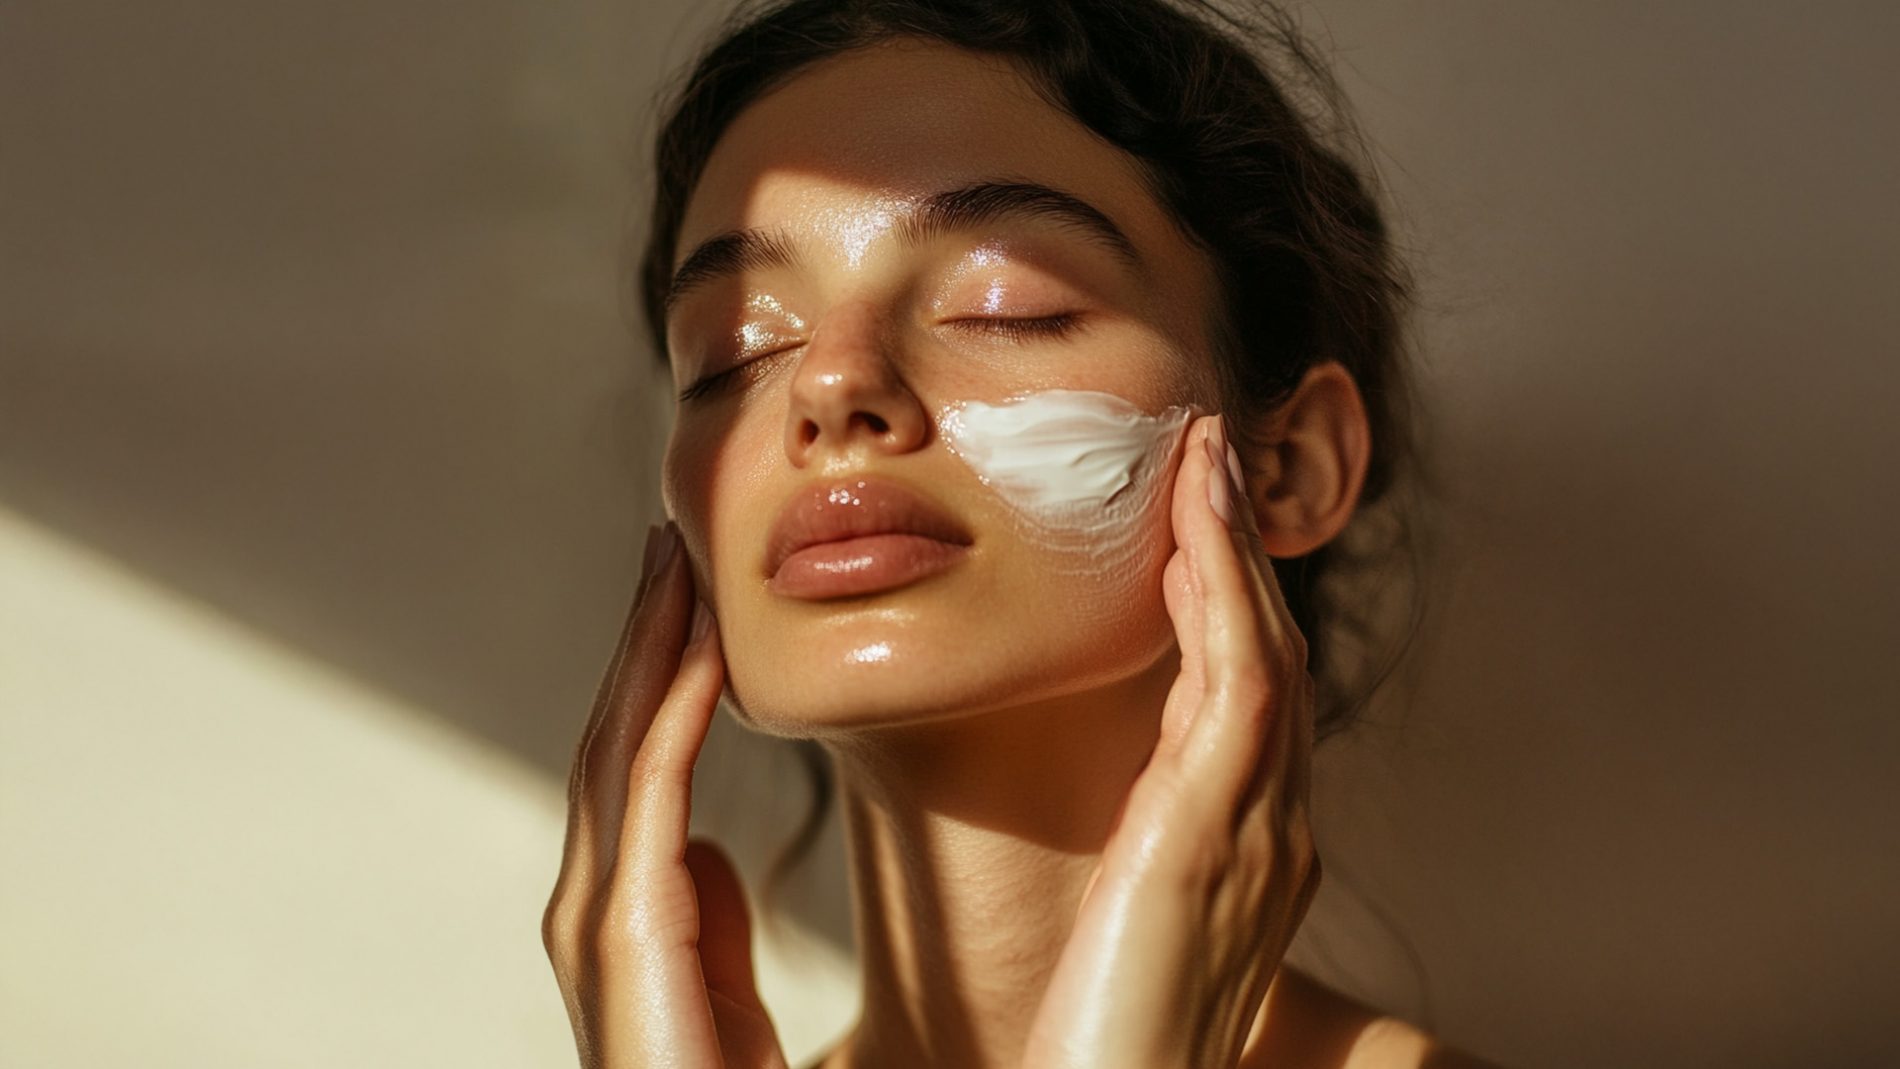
point(1041, 326)
point(719, 381)
point(1009, 327)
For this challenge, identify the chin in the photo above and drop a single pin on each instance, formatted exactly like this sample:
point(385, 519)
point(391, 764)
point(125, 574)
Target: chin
point(843, 680)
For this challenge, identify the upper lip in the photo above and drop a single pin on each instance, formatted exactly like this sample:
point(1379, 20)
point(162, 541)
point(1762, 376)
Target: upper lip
point(837, 509)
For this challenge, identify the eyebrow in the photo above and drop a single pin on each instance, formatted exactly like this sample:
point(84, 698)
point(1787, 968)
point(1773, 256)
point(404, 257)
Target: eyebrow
point(967, 208)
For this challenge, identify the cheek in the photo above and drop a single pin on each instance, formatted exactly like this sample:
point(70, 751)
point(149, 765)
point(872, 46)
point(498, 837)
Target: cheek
point(690, 488)
point(1090, 619)
point(711, 482)
point(1115, 562)
point(1088, 477)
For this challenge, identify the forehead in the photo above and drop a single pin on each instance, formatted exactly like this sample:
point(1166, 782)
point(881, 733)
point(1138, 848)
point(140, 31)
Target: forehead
point(856, 137)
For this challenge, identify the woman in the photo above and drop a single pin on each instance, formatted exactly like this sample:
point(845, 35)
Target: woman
point(1014, 346)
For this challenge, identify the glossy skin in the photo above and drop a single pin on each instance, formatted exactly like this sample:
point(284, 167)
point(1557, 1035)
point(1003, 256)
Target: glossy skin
point(1078, 815)
point(871, 325)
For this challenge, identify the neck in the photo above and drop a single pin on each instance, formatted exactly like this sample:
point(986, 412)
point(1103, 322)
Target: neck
point(970, 842)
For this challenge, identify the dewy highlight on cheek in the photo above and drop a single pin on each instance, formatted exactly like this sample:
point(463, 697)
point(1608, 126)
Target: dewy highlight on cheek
point(1083, 469)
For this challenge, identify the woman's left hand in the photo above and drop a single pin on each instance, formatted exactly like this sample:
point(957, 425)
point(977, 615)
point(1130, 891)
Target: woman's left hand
point(1210, 867)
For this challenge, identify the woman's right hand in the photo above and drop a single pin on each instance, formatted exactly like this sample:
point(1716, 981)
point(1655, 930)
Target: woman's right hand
point(649, 935)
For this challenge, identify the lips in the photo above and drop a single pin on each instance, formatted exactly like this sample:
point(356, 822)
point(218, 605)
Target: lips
point(849, 537)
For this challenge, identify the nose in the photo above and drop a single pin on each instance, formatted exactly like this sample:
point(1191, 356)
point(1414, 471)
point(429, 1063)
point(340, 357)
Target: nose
point(846, 394)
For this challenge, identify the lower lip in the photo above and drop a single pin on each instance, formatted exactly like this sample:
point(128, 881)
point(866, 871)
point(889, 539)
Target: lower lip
point(855, 566)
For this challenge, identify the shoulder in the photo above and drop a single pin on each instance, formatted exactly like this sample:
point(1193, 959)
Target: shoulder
point(1307, 1023)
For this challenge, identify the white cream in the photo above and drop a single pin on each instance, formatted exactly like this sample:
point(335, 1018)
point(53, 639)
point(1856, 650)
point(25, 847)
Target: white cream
point(1083, 470)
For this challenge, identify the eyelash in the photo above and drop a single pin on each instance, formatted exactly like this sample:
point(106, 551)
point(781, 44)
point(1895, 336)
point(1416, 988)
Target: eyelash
point(1041, 326)
point(1054, 326)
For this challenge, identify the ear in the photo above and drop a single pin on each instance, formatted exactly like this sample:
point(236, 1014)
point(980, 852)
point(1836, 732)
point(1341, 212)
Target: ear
point(1305, 474)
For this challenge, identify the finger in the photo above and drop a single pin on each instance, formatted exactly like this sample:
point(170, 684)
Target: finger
point(1249, 546)
point(1284, 769)
point(578, 850)
point(1230, 730)
point(650, 904)
point(577, 776)
point(634, 685)
point(1286, 754)
point(1183, 601)
point(1287, 751)
point(1299, 753)
point(1180, 588)
point(660, 777)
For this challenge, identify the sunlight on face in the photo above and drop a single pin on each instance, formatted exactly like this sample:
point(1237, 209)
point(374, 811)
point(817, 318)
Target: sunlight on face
point(897, 238)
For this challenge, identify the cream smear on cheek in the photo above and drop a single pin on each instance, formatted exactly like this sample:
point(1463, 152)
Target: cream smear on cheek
point(1085, 472)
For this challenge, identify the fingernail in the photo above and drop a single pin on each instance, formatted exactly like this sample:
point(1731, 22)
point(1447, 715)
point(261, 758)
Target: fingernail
point(1218, 495)
point(702, 622)
point(1233, 469)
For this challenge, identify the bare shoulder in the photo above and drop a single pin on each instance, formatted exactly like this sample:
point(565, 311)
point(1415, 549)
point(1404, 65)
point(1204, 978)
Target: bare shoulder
point(1307, 1023)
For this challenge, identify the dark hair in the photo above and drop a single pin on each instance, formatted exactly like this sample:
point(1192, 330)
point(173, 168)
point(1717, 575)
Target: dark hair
point(1261, 179)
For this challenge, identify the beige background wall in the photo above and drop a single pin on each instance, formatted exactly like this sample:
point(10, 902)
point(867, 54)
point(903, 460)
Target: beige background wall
point(325, 446)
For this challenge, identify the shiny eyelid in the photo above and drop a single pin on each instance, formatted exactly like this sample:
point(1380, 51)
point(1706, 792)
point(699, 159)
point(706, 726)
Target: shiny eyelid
point(712, 383)
point(1017, 325)
point(1006, 326)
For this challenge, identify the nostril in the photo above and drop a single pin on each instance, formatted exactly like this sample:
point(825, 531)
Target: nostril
point(861, 421)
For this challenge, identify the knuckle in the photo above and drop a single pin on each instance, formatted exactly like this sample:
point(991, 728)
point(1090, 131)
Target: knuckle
point(1249, 690)
point(1251, 867)
point(1310, 883)
point(1299, 828)
point(1299, 841)
point(1205, 862)
point(560, 922)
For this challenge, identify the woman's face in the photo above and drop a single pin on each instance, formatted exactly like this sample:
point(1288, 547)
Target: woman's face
point(897, 189)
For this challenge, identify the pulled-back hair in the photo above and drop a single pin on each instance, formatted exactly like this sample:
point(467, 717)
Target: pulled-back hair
point(1269, 180)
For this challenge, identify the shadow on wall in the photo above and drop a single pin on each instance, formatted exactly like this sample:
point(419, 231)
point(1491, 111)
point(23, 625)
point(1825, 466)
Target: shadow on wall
point(316, 317)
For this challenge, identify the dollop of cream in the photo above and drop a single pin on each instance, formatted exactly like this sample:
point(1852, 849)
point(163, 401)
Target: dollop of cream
point(1083, 469)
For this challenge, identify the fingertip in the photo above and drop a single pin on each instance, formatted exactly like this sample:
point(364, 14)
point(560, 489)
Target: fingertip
point(674, 589)
point(702, 641)
point(1220, 499)
point(703, 664)
point(1205, 423)
point(1188, 493)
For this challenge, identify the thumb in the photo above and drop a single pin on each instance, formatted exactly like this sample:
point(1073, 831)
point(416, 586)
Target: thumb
point(725, 924)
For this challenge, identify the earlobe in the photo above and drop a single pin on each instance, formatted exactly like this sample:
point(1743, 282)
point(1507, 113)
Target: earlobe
point(1311, 463)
